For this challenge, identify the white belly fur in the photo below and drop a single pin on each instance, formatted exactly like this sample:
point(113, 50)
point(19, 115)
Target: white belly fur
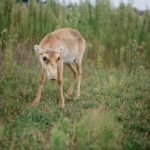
point(69, 56)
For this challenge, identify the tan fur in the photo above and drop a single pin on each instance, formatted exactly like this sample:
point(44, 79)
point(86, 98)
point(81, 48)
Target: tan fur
point(61, 46)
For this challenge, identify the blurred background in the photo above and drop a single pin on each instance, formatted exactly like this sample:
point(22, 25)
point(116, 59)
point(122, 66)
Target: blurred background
point(117, 32)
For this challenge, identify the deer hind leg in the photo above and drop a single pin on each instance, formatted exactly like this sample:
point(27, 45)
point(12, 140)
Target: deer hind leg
point(75, 72)
point(81, 48)
point(38, 95)
point(79, 68)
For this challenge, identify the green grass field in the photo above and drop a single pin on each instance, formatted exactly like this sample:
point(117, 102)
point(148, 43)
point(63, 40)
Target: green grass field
point(112, 113)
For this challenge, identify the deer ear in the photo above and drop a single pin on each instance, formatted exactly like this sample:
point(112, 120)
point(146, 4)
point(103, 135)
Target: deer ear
point(37, 49)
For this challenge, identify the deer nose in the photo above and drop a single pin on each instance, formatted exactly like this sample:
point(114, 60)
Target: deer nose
point(53, 78)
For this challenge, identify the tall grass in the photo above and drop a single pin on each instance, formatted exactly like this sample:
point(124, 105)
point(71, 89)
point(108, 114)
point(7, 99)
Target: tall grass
point(115, 29)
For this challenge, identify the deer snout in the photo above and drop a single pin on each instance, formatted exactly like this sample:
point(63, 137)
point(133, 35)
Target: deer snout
point(52, 77)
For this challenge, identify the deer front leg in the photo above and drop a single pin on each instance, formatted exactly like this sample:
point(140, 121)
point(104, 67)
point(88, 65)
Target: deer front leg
point(38, 95)
point(60, 85)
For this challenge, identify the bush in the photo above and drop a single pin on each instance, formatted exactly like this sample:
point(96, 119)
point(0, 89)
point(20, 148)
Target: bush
point(98, 131)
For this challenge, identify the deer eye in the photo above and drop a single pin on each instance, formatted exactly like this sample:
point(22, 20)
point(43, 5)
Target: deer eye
point(45, 58)
point(58, 58)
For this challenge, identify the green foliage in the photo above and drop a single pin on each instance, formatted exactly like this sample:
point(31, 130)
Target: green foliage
point(113, 111)
point(98, 130)
point(58, 140)
point(60, 136)
point(101, 25)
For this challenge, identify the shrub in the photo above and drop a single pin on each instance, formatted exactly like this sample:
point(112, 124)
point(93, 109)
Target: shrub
point(98, 131)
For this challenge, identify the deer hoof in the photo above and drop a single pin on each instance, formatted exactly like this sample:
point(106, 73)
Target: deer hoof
point(69, 94)
point(61, 104)
point(77, 98)
point(35, 103)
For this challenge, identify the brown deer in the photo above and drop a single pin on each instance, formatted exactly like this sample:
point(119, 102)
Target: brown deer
point(61, 46)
